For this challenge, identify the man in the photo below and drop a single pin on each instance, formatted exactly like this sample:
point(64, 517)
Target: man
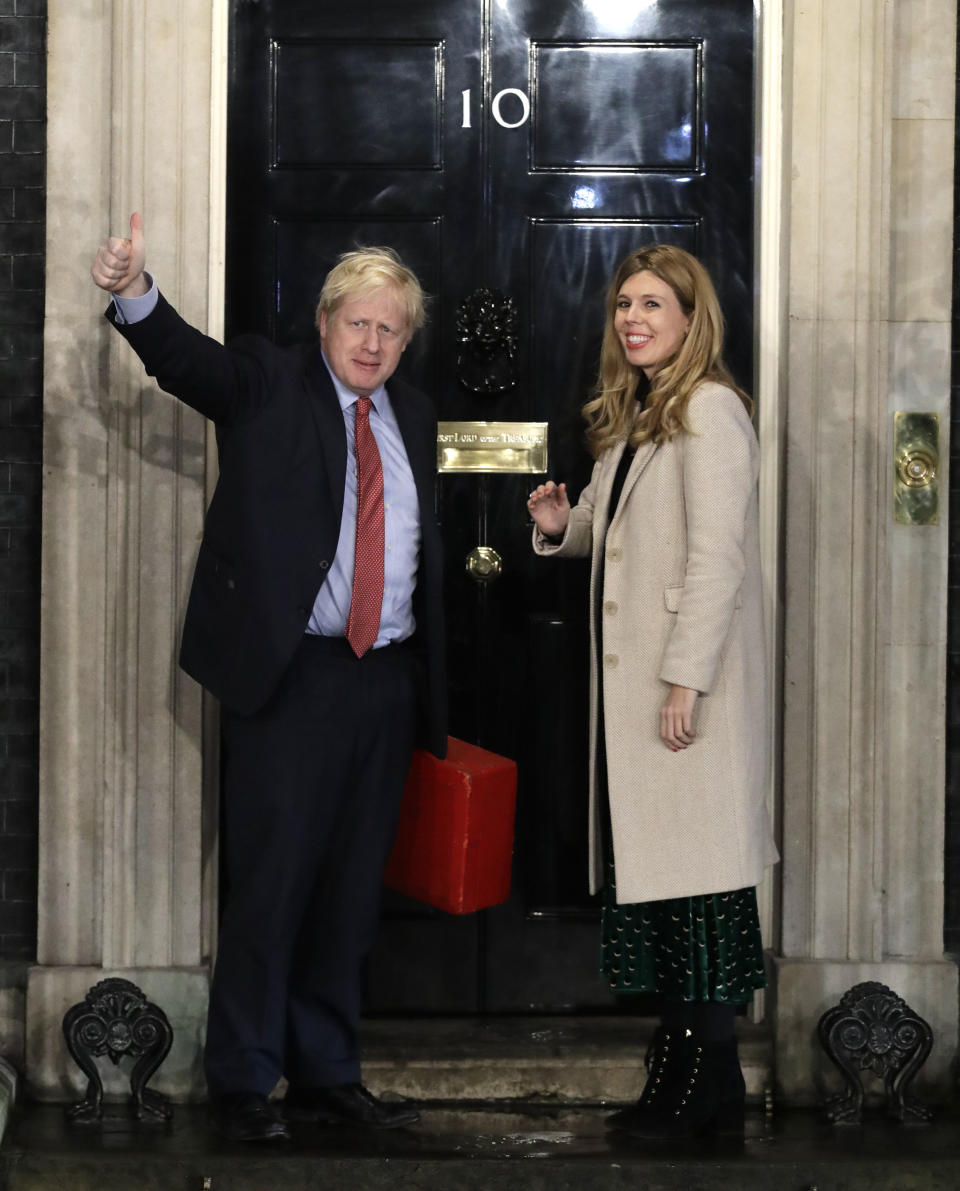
point(315, 617)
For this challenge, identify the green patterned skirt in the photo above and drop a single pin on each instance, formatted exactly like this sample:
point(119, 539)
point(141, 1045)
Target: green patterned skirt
point(704, 948)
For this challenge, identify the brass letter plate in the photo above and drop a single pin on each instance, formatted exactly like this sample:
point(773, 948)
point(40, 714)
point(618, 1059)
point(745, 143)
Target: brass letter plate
point(916, 464)
point(517, 447)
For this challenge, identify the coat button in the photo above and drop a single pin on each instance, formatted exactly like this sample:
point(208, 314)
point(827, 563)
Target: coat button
point(611, 607)
point(324, 564)
point(611, 661)
point(615, 553)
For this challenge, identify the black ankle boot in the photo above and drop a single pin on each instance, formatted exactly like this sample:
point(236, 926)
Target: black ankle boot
point(656, 1062)
point(701, 1091)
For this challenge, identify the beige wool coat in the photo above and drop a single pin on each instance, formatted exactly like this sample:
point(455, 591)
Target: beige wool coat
point(681, 603)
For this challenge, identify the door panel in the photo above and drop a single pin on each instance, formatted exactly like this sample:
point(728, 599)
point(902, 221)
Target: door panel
point(334, 78)
point(571, 82)
point(524, 145)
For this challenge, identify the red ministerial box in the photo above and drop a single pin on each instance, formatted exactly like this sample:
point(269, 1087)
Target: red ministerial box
point(454, 843)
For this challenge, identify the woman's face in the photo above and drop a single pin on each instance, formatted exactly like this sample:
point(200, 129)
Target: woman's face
point(649, 322)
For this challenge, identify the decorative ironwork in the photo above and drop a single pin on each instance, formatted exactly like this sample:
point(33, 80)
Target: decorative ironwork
point(872, 1029)
point(487, 335)
point(116, 1019)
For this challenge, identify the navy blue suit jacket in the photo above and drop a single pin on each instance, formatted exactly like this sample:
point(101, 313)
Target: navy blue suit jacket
point(273, 524)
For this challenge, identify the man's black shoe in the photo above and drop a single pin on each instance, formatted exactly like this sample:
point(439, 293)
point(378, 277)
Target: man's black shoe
point(247, 1116)
point(347, 1104)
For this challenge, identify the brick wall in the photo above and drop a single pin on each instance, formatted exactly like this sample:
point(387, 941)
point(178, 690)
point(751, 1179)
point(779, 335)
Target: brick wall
point(22, 207)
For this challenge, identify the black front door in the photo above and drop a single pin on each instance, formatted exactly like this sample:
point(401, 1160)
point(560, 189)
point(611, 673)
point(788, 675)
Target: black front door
point(524, 146)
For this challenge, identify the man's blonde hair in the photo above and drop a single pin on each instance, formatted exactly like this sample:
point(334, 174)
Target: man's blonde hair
point(364, 270)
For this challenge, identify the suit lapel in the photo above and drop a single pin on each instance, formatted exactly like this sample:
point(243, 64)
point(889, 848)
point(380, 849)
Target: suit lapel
point(330, 426)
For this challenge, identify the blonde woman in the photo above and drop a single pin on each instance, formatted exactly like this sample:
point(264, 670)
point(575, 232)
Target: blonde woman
point(679, 835)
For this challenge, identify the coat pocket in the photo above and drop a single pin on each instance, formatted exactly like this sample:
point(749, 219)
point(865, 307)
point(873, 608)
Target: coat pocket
point(215, 572)
point(673, 595)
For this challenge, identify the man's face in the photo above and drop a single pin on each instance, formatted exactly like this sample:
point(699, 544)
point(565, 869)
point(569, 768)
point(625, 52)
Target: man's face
point(364, 338)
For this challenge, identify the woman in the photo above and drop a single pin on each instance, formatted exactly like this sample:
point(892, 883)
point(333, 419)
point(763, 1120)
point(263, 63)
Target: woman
point(679, 835)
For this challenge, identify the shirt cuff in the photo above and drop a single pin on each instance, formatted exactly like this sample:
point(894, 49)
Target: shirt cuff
point(135, 310)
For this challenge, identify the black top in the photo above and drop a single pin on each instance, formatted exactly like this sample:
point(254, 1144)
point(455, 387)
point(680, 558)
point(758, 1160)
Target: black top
point(618, 480)
point(643, 389)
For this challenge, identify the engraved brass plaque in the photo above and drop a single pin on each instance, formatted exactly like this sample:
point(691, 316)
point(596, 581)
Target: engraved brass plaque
point(916, 463)
point(513, 447)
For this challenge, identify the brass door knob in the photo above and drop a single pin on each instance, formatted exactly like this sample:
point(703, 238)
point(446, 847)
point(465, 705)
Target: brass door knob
point(916, 467)
point(484, 564)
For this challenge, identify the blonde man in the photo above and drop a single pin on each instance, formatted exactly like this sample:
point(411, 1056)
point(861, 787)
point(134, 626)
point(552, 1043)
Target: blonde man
point(316, 672)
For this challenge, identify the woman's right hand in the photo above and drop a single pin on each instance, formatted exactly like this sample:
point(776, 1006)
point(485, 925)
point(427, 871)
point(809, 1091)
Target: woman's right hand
point(550, 508)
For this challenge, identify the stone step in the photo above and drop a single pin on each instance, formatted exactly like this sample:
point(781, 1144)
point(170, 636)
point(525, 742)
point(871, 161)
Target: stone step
point(573, 1060)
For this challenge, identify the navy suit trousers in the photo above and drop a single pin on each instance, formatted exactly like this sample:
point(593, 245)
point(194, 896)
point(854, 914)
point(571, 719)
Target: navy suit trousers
point(312, 790)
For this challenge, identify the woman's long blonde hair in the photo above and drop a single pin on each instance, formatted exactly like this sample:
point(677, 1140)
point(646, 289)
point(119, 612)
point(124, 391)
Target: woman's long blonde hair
point(610, 413)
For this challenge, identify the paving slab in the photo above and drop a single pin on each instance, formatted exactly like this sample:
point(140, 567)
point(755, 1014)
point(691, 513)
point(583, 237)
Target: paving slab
point(477, 1148)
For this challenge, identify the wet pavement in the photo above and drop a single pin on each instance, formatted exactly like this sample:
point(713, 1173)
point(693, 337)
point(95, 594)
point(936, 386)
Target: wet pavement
point(466, 1148)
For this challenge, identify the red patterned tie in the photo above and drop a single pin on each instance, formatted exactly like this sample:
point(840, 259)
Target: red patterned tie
point(363, 623)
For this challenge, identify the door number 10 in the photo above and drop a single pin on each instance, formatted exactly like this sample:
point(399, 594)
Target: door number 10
point(495, 108)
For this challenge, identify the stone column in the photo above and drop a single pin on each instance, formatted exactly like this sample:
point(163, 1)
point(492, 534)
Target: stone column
point(865, 604)
point(125, 862)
